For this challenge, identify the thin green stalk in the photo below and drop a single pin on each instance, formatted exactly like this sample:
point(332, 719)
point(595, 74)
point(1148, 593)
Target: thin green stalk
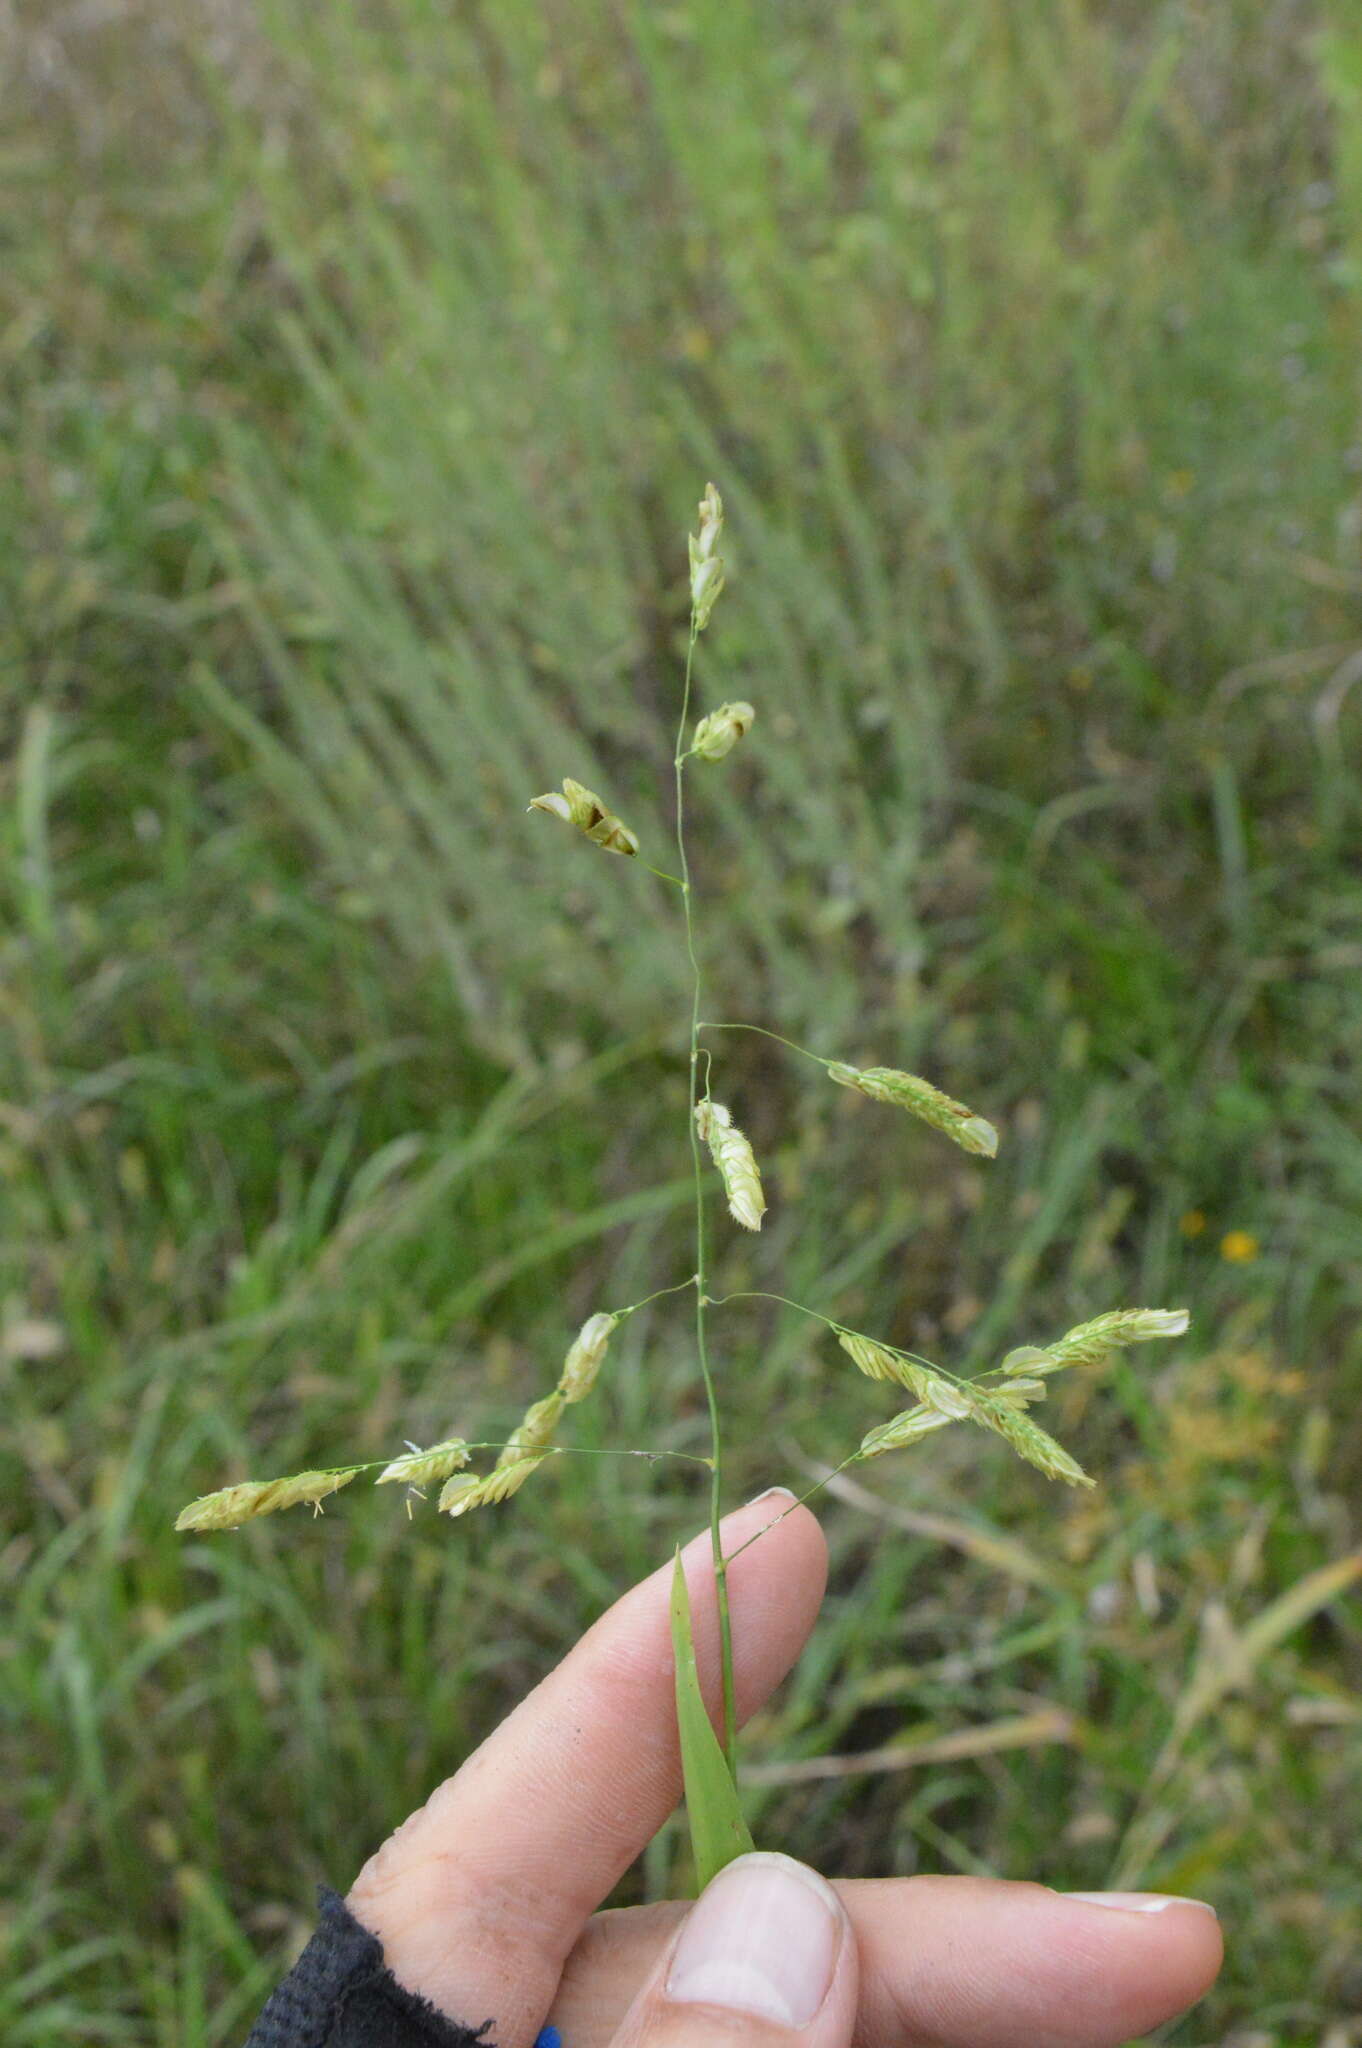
point(764, 1294)
point(701, 1299)
point(762, 1032)
point(776, 1520)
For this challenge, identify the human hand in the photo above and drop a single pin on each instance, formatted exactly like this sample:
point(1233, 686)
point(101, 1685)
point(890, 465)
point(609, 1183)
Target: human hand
point(485, 1900)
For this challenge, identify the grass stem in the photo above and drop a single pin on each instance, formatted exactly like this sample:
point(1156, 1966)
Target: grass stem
point(730, 1729)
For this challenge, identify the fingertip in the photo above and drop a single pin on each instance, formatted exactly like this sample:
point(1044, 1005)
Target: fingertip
point(1166, 1947)
point(1009, 1965)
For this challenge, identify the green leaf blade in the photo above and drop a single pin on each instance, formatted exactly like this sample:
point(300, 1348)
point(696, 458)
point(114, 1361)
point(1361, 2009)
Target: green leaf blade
point(718, 1831)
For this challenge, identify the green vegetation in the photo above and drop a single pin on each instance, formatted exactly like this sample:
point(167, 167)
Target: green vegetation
point(356, 370)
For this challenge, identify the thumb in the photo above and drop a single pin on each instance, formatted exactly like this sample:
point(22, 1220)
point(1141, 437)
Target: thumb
point(766, 1958)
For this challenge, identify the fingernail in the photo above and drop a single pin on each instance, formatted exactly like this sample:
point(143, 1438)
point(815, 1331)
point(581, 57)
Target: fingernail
point(771, 1493)
point(762, 1938)
point(1140, 1902)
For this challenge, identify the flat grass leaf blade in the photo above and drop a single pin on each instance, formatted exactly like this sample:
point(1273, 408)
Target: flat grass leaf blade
point(718, 1831)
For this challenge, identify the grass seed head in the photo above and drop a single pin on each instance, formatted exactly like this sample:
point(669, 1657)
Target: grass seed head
point(736, 1161)
point(535, 1432)
point(874, 1360)
point(460, 1496)
point(717, 734)
point(1028, 1358)
point(901, 1430)
point(909, 1091)
point(1087, 1343)
point(585, 1357)
point(423, 1468)
point(1020, 1393)
point(1029, 1441)
point(580, 806)
point(706, 563)
point(233, 1505)
point(878, 1362)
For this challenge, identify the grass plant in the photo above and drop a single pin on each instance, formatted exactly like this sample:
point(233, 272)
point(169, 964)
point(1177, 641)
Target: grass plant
point(352, 364)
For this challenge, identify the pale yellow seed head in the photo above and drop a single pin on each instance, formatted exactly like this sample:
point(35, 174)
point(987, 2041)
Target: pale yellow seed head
point(460, 1494)
point(228, 1508)
point(1020, 1393)
point(1030, 1441)
point(580, 806)
point(585, 1357)
point(901, 1431)
point(909, 1091)
point(424, 1468)
point(945, 1399)
point(1028, 1358)
point(719, 732)
point(710, 514)
point(736, 1162)
point(706, 563)
point(1089, 1342)
point(535, 1432)
point(233, 1505)
point(874, 1360)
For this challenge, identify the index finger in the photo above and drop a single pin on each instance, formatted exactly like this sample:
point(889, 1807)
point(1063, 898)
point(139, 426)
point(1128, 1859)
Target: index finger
point(478, 1897)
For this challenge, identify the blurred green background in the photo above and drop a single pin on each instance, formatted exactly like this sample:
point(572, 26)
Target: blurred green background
point(360, 366)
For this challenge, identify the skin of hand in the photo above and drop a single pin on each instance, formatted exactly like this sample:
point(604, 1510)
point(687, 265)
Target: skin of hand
point(486, 1900)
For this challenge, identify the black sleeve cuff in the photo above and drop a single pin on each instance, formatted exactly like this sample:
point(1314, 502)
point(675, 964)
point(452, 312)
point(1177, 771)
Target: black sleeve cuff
point(339, 1995)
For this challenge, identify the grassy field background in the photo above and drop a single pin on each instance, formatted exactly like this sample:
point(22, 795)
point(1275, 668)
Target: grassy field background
point(359, 369)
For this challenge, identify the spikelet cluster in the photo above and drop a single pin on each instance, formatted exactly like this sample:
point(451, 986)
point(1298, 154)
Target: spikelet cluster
point(942, 1401)
point(909, 1091)
point(425, 1468)
point(1028, 1440)
point(736, 1161)
point(577, 805)
point(717, 734)
point(585, 1357)
point(1088, 1343)
point(706, 563)
point(535, 1431)
point(465, 1491)
point(878, 1362)
point(901, 1430)
point(230, 1506)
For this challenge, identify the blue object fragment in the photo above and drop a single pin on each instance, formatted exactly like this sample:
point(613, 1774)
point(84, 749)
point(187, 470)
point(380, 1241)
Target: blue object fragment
point(549, 2037)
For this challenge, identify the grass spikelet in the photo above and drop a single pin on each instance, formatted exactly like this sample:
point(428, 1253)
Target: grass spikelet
point(585, 1356)
point(230, 1506)
point(1089, 1343)
point(459, 1494)
point(909, 1091)
point(718, 734)
point(902, 1430)
point(736, 1162)
point(874, 1360)
point(1029, 1441)
point(1027, 1358)
point(879, 1362)
point(1019, 1393)
point(580, 806)
point(706, 563)
point(465, 1493)
point(534, 1433)
point(424, 1468)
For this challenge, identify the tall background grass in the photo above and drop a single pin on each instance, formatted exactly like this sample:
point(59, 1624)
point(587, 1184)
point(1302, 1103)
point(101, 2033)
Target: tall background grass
point(359, 368)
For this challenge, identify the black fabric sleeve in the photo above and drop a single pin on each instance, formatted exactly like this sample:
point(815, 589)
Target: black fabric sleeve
point(339, 1995)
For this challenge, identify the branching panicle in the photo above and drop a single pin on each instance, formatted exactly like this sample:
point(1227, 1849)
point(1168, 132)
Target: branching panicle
point(998, 1402)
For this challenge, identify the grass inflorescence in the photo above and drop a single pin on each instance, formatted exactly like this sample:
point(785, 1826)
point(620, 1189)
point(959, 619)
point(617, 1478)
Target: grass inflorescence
point(352, 371)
